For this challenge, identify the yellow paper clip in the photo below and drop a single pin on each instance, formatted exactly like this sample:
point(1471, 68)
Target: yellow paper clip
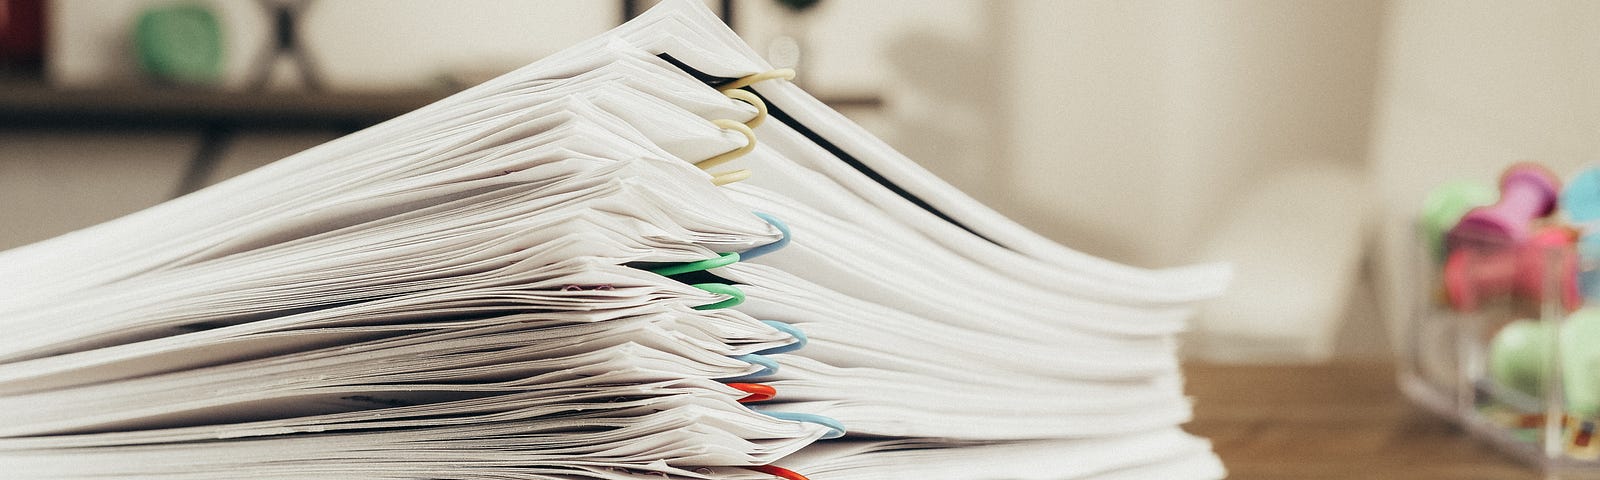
point(732, 90)
point(725, 157)
point(754, 101)
point(782, 73)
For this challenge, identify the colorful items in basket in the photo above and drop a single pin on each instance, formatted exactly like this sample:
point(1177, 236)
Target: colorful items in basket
point(1528, 192)
point(1529, 250)
point(1580, 201)
point(1509, 248)
point(1523, 354)
point(1578, 436)
point(1520, 358)
point(1475, 272)
point(1445, 206)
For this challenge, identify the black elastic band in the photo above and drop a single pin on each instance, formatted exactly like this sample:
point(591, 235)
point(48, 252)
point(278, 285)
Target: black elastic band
point(779, 115)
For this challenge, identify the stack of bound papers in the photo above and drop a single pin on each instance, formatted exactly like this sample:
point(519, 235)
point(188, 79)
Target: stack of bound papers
point(648, 256)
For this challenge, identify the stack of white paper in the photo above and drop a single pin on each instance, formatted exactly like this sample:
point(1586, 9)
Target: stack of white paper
point(555, 275)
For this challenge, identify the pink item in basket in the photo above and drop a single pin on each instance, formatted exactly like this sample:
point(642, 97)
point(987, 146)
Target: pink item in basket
point(1473, 274)
point(1528, 191)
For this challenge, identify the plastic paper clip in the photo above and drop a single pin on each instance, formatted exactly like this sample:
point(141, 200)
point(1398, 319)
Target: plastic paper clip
point(722, 260)
point(836, 427)
point(799, 337)
point(781, 73)
point(725, 178)
point(754, 101)
point(768, 367)
point(580, 288)
point(776, 471)
point(725, 157)
point(771, 247)
point(757, 392)
point(735, 295)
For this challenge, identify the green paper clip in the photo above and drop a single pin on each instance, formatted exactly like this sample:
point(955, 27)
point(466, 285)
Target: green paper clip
point(722, 260)
point(736, 295)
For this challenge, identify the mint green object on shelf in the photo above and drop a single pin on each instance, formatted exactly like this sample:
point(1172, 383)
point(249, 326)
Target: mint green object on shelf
point(1446, 204)
point(1580, 363)
point(180, 44)
point(1519, 354)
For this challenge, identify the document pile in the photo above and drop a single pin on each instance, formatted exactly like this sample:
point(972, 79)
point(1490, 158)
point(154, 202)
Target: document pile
point(648, 256)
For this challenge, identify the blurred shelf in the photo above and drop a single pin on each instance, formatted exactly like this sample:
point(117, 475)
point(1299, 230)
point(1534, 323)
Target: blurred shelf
point(33, 104)
point(29, 103)
point(26, 104)
point(852, 100)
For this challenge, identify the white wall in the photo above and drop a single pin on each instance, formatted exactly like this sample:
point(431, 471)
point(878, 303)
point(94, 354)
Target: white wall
point(56, 182)
point(1132, 124)
point(1162, 132)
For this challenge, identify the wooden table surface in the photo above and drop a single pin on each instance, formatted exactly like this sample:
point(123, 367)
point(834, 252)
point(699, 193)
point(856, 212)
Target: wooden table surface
point(1337, 421)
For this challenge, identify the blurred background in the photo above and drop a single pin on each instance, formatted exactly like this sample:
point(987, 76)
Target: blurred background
point(1294, 138)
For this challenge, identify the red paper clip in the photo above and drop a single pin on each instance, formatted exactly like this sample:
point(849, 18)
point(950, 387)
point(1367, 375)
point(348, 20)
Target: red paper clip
point(779, 472)
point(757, 391)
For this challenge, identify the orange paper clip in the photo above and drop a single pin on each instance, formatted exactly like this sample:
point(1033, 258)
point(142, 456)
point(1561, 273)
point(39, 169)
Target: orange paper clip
point(779, 472)
point(757, 391)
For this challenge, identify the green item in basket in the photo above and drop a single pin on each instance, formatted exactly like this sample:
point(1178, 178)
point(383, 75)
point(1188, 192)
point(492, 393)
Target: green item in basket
point(1446, 204)
point(180, 44)
point(1580, 363)
point(1517, 356)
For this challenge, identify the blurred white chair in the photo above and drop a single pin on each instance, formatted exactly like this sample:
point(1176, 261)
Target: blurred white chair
point(1296, 240)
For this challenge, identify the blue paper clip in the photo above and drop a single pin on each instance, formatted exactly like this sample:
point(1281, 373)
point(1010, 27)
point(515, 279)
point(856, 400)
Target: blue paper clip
point(771, 247)
point(768, 367)
point(834, 425)
point(799, 337)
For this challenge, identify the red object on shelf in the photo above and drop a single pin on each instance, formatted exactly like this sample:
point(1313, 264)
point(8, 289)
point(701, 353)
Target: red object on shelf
point(1473, 274)
point(21, 31)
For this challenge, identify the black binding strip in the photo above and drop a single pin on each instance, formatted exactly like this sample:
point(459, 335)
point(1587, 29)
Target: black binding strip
point(778, 114)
